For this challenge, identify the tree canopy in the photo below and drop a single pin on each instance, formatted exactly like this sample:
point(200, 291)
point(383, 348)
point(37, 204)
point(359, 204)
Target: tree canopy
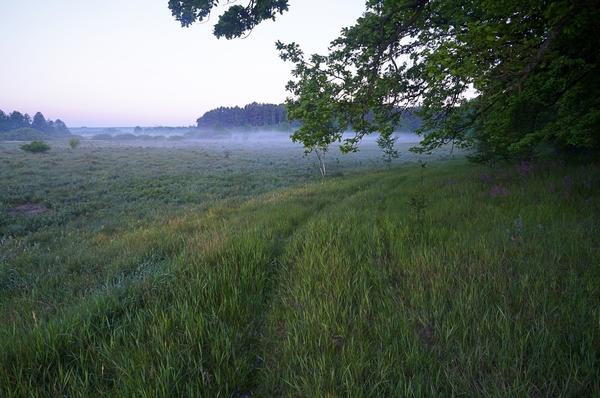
point(501, 76)
point(17, 120)
point(251, 115)
point(235, 21)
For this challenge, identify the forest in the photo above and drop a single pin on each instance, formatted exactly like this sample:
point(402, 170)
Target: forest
point(275, 115)
point(251, 115)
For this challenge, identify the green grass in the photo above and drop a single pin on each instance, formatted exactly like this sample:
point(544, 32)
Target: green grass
point(400, 282)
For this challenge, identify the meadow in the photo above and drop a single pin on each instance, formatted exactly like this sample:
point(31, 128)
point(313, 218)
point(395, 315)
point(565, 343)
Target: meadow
point(234, 271)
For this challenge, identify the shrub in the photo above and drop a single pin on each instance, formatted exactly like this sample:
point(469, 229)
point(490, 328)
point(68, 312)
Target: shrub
point(74, 143)
point(36, 147)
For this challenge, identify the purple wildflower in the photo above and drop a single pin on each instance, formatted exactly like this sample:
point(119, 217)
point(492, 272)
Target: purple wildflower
point(484, 177)
point(525, 168)
point(498, 191)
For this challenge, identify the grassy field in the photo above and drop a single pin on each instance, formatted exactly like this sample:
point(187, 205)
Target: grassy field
point(195, 271)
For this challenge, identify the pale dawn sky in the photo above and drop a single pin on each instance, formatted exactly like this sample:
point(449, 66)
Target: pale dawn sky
point(128, 62)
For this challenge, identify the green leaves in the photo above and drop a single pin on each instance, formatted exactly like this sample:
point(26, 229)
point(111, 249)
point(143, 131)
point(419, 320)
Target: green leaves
point(236, 21)
point(490, 75)
point(36, 147)
point(500, 76)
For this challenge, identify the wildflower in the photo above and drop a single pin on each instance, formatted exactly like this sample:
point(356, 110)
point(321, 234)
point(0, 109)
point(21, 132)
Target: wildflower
point(498, 191)
point(525, 168)
point(484, 177)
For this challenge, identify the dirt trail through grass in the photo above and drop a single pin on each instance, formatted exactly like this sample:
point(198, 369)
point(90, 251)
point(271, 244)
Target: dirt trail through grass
point(208, 301)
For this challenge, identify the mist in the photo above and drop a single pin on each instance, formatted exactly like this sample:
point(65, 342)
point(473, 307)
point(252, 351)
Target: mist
point(168, 136)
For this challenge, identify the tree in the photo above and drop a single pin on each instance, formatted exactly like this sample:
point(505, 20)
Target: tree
point(17, 120)
point(60, 127)
point(499, 76)
point(4, 122)
point(235, 21)
point(39, 122)
point(251, 115)
point(386, 143)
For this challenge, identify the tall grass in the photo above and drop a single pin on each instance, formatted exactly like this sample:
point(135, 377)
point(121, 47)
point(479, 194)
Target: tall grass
point(334, 289)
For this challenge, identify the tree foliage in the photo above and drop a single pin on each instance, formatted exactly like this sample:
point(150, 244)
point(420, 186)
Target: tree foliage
point(501, 76)
point(251, 115)
point(18, 121)
point(235, 21)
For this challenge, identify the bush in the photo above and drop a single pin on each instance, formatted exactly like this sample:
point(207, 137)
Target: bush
point(74, 143)
point(36, 147)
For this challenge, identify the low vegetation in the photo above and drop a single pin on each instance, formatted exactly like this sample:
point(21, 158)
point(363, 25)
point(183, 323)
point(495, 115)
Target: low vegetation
point(74, 143)
point(36, 147)
point(431, 279)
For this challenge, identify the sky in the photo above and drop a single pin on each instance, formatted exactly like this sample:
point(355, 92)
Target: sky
point(100, 63)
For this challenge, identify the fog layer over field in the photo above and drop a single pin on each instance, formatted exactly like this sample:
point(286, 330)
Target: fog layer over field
point(273, 147)
point(266, 144)
point(264, 138)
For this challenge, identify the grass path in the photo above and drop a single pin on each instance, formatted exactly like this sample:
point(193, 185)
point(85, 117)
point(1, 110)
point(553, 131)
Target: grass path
point(400, 283)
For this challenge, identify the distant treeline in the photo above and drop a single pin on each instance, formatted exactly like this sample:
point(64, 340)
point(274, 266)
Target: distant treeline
point(272, 116)
point(16, 125)
point(251, 115)
point(410, 120)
